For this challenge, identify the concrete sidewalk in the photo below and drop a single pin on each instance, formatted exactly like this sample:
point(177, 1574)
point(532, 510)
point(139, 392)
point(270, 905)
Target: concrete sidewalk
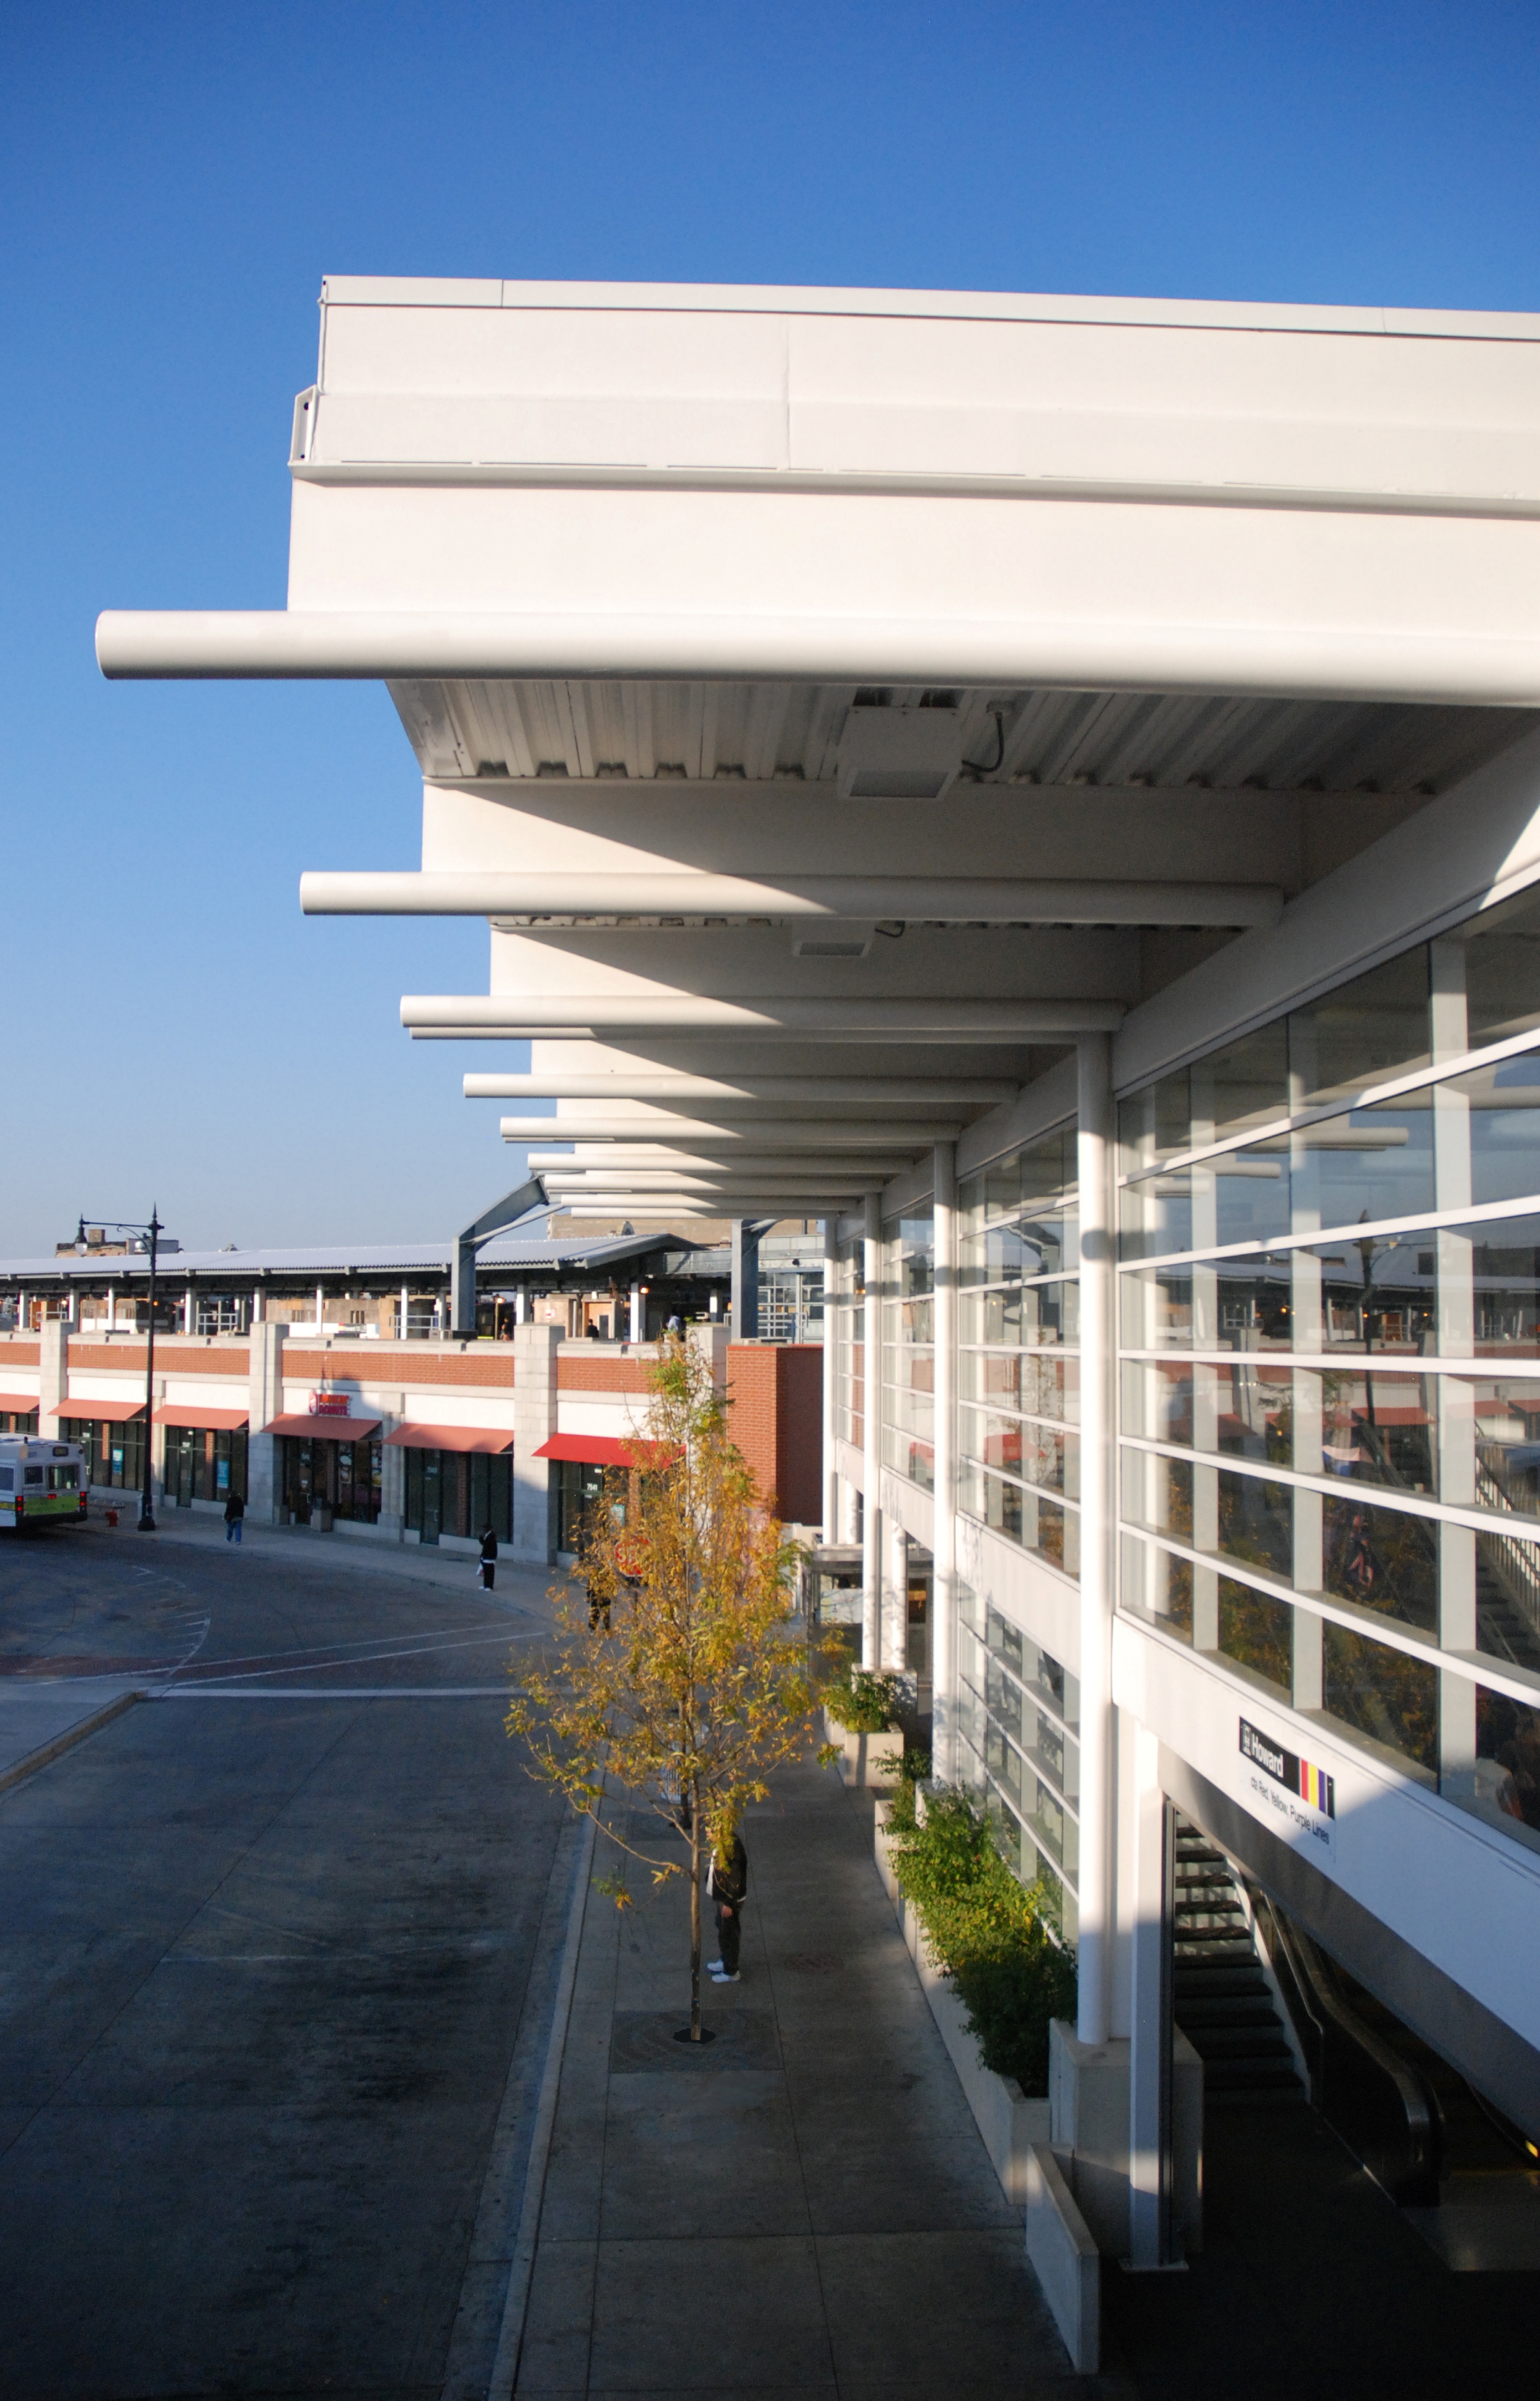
point(804, 2208)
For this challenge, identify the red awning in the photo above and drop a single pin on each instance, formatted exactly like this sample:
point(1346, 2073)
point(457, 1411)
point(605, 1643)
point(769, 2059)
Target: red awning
point(99, 1412)
point(603, 1450)
point(195, 1413)
point(440, 1437)
point(18, 1405)
point(324, 1429)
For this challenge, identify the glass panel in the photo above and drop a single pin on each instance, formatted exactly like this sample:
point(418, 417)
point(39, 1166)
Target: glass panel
point(1041, 1386)
point(1157, 1585)
point(1378, 1293)
point(1507, 1766)
point(1364, 1033)
point(1501, 950)
point(1257, 1522)
point(1029, 1316)
point(1504, 1282)
point(1158, 1493)
point(1257, 1632)
point(1504, 1116)
point(1382, 1560)
point(1372, 1163)
point(1245, 1084)
point(1383, 1693)
point(1376, 1428)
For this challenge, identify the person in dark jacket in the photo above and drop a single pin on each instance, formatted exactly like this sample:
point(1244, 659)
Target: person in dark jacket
point(489, 1557)
point(234, 1510)
point(727, 1885)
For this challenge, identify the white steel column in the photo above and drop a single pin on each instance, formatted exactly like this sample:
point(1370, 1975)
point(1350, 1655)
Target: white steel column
point(830, 1482)
point(943, 1463)
point(1094, 1164)
point(635, 1312)
point(871, 1513)
point(1149, 2239)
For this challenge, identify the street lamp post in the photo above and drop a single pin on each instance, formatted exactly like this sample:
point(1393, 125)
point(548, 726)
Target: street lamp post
point(153, 1233)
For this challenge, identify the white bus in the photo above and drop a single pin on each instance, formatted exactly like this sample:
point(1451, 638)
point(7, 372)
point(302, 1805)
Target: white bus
point(40, 1481)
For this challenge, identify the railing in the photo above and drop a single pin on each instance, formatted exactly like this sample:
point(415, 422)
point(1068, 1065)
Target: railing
point(1512, 1562)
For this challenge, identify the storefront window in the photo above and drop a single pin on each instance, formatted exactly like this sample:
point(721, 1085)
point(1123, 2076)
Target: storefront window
point(458, 1492)
point(322, 1481)
point(115, 1452)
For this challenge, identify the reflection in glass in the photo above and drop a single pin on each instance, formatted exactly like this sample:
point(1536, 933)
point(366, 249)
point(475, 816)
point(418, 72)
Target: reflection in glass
point(1364, 1033)
point(1382, 1560)
point(1383, 1693)
point(1506, 1784)
point(1257, 1522)
point(1257, 1632)
point(1502, 948)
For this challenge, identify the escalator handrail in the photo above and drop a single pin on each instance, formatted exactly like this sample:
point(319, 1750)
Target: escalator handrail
point(1326, 2005)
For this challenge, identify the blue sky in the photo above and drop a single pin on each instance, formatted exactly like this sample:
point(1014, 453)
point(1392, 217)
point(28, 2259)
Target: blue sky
point(175, 181)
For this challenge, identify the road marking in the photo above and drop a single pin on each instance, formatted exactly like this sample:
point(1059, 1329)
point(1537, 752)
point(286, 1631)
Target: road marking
point(209, 1691)
point(311, 1666)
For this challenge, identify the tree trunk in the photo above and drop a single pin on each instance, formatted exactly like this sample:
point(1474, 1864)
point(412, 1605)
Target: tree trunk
point(694, 1915)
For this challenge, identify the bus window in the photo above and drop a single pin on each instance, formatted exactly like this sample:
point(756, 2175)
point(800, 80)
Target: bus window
point(31, 1474)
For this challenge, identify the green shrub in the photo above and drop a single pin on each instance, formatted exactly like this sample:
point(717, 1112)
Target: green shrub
point(860, 1701)
point(987, 1932)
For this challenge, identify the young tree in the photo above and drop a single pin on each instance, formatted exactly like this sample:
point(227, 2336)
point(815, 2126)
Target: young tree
point(677, 1676)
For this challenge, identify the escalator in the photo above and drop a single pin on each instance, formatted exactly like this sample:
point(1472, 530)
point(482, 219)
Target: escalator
point(1256, 1997)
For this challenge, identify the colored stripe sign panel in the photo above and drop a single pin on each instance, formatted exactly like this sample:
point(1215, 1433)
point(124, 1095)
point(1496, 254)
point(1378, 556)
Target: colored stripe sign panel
point(1297, 1777)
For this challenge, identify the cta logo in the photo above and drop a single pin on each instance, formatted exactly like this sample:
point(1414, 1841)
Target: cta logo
point(1310, 1784)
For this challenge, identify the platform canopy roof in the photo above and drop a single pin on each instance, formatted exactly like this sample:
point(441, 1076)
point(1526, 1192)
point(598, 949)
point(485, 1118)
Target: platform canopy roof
point(839, 704)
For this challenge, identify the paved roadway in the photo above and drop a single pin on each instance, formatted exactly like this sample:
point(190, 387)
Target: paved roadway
point(264, 1944)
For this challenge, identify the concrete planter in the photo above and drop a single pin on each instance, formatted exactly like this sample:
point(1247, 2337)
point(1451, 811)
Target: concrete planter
point(867, 1761)
point(1010, 2121)
point(1063, 2253)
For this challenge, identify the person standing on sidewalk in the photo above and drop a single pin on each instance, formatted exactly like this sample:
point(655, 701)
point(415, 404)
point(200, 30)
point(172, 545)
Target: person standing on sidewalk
point(489, 1558)
point(727, 1885)
point(234, 1510)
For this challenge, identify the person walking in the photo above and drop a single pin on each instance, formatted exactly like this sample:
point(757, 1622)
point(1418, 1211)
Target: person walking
point(488, 1574)
point(727, 1885)
point(234, 1510)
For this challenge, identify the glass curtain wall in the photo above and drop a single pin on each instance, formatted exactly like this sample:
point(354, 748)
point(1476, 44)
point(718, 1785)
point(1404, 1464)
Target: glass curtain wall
point(1329, 1329)
point(909, 1346)
point(1019, 1366)
point(843, 1308)
point(1018, 1718)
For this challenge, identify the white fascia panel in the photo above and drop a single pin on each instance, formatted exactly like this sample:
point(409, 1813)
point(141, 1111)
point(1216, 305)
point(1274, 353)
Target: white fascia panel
point(849, 383)
point(902, 570)
point(1461, 1894)
point(1476, 841)
point(624, 1414)
point(876, 300)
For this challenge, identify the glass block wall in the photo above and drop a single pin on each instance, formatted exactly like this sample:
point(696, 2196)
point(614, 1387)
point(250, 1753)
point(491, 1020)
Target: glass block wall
point(1018, 1366)
point(1329, 1378)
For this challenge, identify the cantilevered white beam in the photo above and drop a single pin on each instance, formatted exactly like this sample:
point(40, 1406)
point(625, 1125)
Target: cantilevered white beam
point(1323, 661)
point(510, 1016)
point(753, 1135)
point(960, 899)
point(747, 1092)
point(620, 1159)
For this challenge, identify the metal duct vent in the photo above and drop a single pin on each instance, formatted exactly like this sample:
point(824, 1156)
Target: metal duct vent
point(899, 754)
point(848, 939)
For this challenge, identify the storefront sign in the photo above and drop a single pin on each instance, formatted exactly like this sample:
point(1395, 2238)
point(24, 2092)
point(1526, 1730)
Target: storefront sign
point(330, 1404)
point(1294, 1788)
